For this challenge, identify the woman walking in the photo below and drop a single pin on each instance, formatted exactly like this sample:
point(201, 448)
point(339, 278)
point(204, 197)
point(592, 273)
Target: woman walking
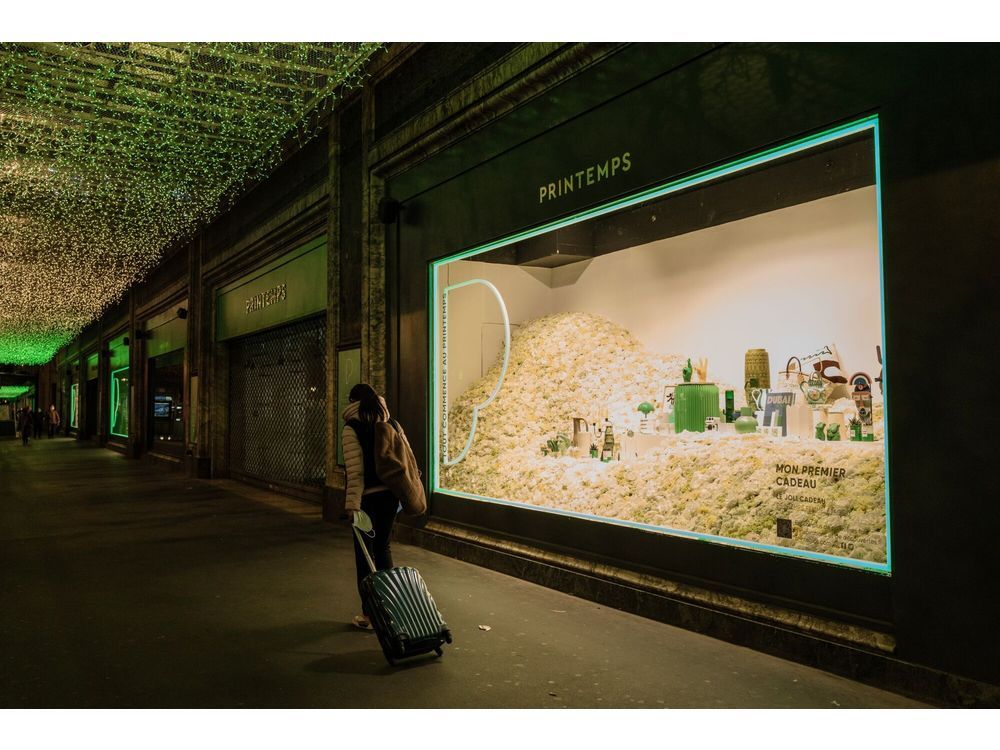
point(365, 492)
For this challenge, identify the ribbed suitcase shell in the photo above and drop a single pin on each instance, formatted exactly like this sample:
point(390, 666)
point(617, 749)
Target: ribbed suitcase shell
point(403, 613)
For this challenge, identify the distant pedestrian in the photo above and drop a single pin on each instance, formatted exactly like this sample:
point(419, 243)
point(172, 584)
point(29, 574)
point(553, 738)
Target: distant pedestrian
point(53, 421)
point(36, 422)
point(24, 424)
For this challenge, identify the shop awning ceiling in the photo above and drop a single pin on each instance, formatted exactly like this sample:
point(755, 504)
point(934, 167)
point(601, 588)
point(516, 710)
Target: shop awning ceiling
point(109, 153)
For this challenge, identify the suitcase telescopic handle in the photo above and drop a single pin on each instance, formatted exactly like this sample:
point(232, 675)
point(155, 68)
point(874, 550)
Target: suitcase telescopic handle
point(364, 548)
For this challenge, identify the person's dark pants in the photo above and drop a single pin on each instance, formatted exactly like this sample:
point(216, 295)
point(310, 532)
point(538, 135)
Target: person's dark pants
point(53, 429)
point(381, 507)
point(25, 434)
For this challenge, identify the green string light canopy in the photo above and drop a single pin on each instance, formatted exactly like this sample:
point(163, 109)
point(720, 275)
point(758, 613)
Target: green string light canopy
point(109, 153)
point(14, 391)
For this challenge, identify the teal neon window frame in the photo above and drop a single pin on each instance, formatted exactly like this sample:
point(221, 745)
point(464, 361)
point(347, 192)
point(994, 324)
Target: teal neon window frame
point(869, 123)
point(113, 403)
point(74, 400)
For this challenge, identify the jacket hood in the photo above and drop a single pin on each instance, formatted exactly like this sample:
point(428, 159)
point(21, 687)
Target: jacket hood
point(351, 410)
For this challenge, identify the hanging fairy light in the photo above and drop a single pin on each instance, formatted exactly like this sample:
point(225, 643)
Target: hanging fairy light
point(109, 153)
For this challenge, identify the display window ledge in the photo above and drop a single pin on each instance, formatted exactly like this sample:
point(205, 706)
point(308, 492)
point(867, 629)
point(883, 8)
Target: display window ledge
point(308, 493)
point(164, 457)
point(831, 591)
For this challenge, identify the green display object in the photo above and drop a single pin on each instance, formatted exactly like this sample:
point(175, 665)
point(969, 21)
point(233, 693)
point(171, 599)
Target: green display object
point(821, 430)
point(645, 407)
point(558, 444)
point(833, 432)
point(746, 422)
point(693, 403)
point(686, 372)
point(856, 430)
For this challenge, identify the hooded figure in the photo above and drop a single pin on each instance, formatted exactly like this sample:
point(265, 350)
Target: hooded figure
point(365, 491)
point(24, 422)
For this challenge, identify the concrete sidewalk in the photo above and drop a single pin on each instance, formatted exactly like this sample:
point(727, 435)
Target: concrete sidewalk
point(125, 585)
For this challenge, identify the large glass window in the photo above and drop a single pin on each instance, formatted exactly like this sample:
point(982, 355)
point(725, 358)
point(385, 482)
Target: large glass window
point(74, 406)
point(702, 359)
point(118, 418)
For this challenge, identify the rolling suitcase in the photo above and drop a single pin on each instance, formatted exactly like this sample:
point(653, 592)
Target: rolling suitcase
point(401, 610)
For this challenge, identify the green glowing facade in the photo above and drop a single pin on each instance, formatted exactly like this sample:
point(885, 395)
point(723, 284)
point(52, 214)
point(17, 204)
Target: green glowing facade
point(118, 403)
point(11, 392)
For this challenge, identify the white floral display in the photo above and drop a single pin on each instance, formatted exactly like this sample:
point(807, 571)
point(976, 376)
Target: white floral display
point(581, 365)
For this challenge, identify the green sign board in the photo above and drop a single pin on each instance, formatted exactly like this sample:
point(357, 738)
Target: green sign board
point(92, 360)
point(166, 332)
point(292, 287)
point(119, 352)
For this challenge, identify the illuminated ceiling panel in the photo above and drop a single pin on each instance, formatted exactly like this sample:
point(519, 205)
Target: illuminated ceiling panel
point(111, 152)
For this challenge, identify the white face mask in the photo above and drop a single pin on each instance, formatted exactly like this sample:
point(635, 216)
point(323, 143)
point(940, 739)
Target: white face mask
point(362, 522)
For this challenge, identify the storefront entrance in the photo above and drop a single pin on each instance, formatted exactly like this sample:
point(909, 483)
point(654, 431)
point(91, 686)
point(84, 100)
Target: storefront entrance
point(166, 400)
point(277, 412)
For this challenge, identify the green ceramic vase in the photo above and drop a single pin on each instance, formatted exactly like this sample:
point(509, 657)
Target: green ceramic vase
point(746, 422)
point(693, 402)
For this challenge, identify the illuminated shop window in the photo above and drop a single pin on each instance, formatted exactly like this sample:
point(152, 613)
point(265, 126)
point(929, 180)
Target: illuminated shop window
point(74, 406)
point(118, 418)
point(703, 359)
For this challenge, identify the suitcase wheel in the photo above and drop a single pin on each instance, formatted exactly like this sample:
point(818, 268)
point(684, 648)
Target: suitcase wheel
point(438, 651)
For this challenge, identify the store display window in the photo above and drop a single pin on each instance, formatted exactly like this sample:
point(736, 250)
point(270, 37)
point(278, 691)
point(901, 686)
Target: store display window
point(703, 359)
point(74, 406)
point(118, 418)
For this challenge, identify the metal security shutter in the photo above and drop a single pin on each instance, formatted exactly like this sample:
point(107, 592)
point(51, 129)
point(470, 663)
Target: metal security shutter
point(277, 408)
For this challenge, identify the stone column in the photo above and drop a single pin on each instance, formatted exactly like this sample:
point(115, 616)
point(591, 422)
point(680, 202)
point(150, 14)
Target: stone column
point(334, 486)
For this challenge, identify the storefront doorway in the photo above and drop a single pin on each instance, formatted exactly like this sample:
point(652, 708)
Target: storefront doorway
point(166, 403)
point(277, 412)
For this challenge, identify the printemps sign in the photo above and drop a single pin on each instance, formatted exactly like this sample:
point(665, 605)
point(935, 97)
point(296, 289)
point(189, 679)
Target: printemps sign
point(584, 178)
point(285, 290)
point(267, 298)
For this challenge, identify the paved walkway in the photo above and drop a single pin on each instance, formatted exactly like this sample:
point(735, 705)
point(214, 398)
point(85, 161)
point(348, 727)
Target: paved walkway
point(124, 585)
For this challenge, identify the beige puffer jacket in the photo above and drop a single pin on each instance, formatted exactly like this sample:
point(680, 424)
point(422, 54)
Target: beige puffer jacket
point(354, 460)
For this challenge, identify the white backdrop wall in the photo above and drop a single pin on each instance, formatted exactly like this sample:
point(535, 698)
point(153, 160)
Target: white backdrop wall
point(789, 281)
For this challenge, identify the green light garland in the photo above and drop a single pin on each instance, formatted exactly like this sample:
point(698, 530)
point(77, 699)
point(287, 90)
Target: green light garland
point(110, 153)
point(11, 392)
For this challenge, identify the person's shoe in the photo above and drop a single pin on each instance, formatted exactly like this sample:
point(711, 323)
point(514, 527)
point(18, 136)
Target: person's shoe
point(361, 622)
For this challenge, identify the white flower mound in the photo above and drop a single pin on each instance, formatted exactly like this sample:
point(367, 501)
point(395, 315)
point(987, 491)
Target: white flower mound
point(575, 364)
